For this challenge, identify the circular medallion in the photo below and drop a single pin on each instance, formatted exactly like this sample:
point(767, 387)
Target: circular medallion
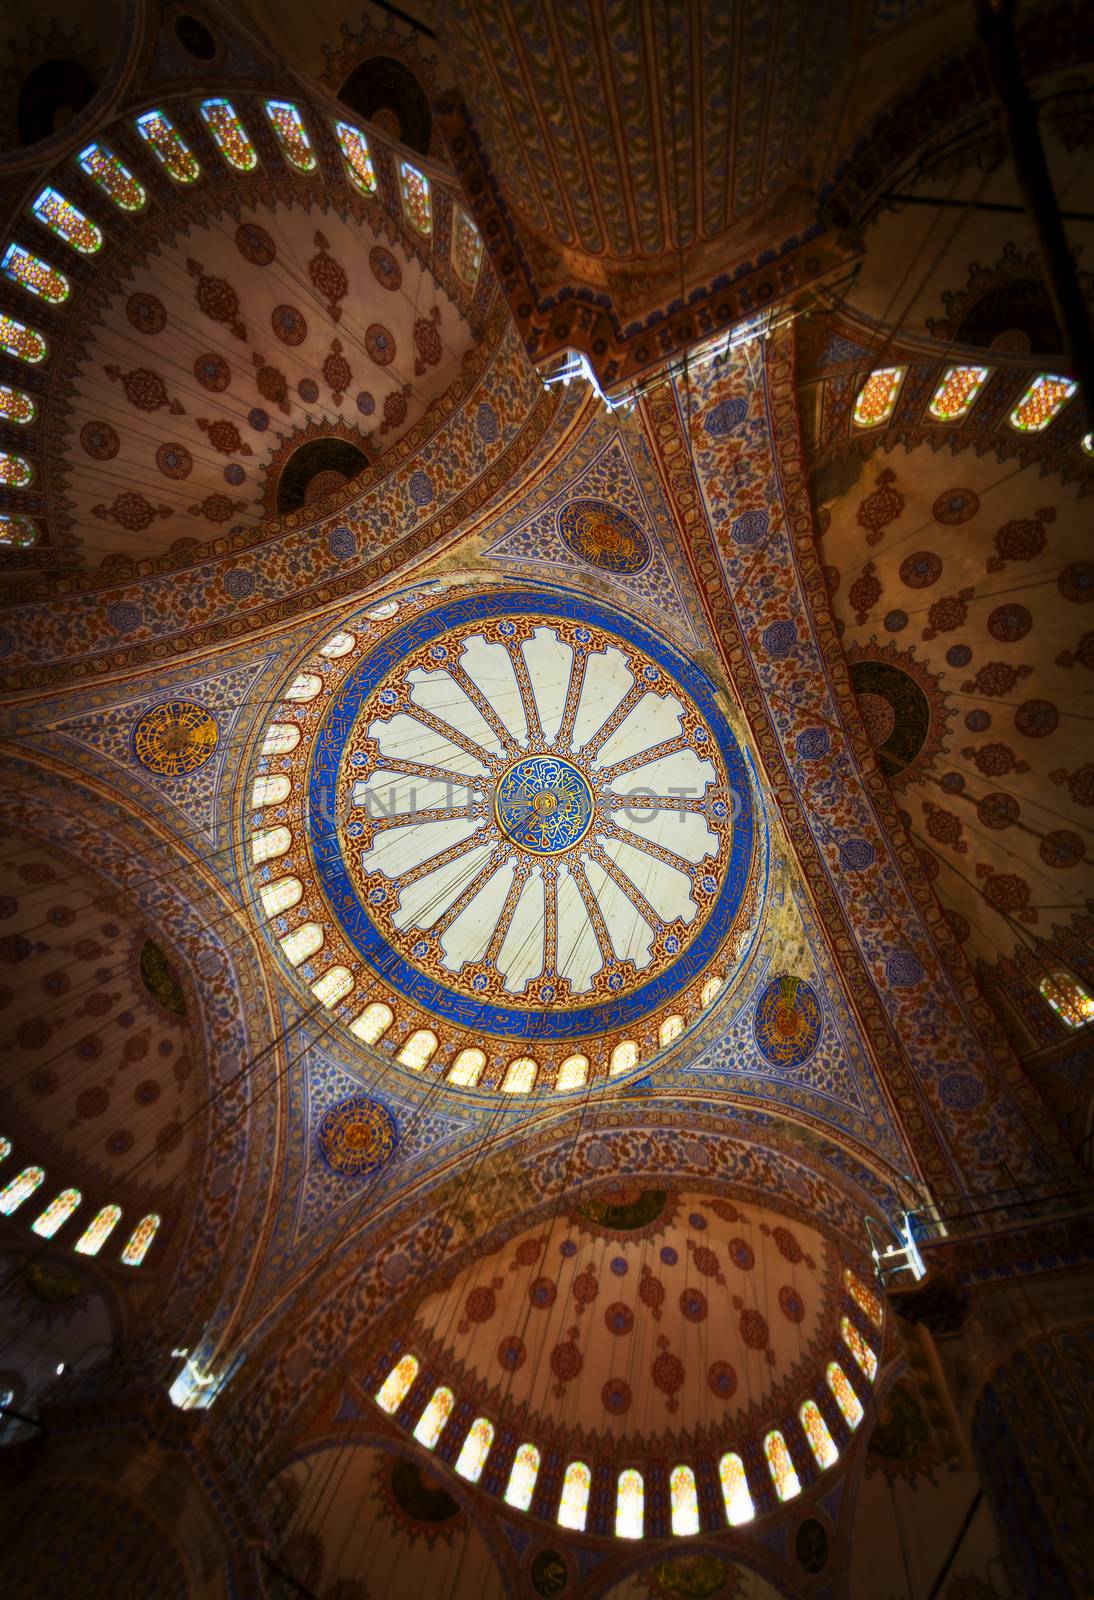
point(544, 805)
point(788, 1022)
point(99, 440)
point(146, 313)
point(175, 737)
point(604, 536)
point(356, 1136)
point(288, 324)
point(255, 244)
point(380, 344)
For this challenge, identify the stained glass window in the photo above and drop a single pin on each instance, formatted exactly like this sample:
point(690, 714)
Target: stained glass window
point(305, 686)
point(467, 1068)
point(302, 942)
point(630, 1497)
point(711, 990)
point(738, 1501)
point(573, 1073)
point(373, 1022)
point(670, 1030)
point(15, 471)
point(624, 1057)
point(466, 247)
point(956, 392)
point(98, 1230)
point(417, 197)
point(338, 646)
point(845, 1396)
point(17, 1190)
point(877, 397)
point(229, 134)
point(1068, 999)
point(574, 1505)
point(67, 222)
point(1043, 400)
point(522, 1479)
point(280, 896)
point(858, 1347)
point(168, 146)
point(780, 1466)
point(1088, 443)
point(35, 275)
point(59, 1210)
point(685, 1501)
point(354, 146)
point(419, 1049)
point(268, 843)
point(113, 177)
point(863, 1298)
point(520, 1076)
point(816, 1431)
point(433, 1418)
point(22, 342)
point(333, 986)
point(270, 790)
point(139, 1240)
point(17, 533)
point(475, 1449)
point(5, 1149)
point(292, 135)
point(16, 405)
point(396, 1386)
point(281, 737)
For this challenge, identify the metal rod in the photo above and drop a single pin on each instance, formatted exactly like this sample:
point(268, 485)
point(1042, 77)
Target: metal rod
point(958, 1542)
point(975, 205)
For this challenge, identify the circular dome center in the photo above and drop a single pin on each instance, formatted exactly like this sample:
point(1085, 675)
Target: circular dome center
point(544, 804)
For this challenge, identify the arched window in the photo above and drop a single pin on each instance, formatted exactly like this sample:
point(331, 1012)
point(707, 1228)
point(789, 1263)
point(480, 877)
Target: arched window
point(467, 1068)
point(396, 1386)
point(229, 134)
point(304, 687)
point(302, 942)
point(877, 397)
point(17, 533)
point(12, 1197)
point(16, 406)
point(98, 1231)
point(354, 146)
point(466, 248)
point(419, 1049)
point(475, 1449)
point(670, 1030)
point(956, 392)
point(58, 1211)
point(417, 198)
point(67, 221)
point(780, 1466)
point(630, 1505)
point(268, 843)
point(684, 1501)
point(168, 146)
point(433, 1418)
point(574, 1505)
point(5, 1149)
point(113, 177)
point(280, 896)
point(520, 1076)
point(34, 275)
point(845, 1396)
point(373, 1023)
point(573, 1073)
point(140, 1240)
point(522, 1479)
point(270, 790)
point(863, 1298)
point(386, 608)
point(339, 645)
point(858, 1347)
point(816, 1431)
point(288, 125)
point(624, 1057)
point(1068, 999)
point(1043, 400)
point(281, 737)
point(25, 344)
point(711, 990)
point(333, 986)
point(15, 471)
point(738, 1501)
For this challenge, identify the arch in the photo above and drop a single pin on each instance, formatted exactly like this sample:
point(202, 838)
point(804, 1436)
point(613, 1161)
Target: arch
point(522, 1478)
point(168, 146)
point(467, 1068)
point(1042, 402)
point(735, 1493)
point(270, 790)
point(13, 1195)
point(113, 177)
point(711, 990)
point(863, 1298)
point(684, 1501)
point(229, 134)
point(382, 90)
point(432, 1421)
point(630, 1504)
point(475, 1449)
point(56, 1213)
point(844, 1395)
point(573, 1505)
point(304, 687)
point(16, 472)
point(280, 895)
point(291, 134)
point(98, 1231)
point(573, 1073)
point(333, 986)
point(876, 399)
point(281, 737)
point(858, 1347)
point(373, 1023)
point(359, 163)
point(268, 843)
point(957, 390)
point(338, 645)
point(816, 1431)
point(140, 1240)
point(670, 1030)
point(17, 406)
point(419, 1049)
point(1067, 997)
point(520, 1076)
point(396, 1386)
point(624, 1057)
point(417, 198)
point(780, 1466)
point(17, 533)
point(317, 467)
point(53, 88)
point(466, 248)
point(302, 942)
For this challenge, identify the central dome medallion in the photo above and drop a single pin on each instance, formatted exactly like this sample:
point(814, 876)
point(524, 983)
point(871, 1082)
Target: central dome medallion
point(544, 804)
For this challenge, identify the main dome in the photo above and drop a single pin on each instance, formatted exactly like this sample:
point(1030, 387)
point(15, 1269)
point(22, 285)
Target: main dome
point(516, 818)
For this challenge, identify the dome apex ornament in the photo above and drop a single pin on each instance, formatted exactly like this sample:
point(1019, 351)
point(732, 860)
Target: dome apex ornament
point(544, 804)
